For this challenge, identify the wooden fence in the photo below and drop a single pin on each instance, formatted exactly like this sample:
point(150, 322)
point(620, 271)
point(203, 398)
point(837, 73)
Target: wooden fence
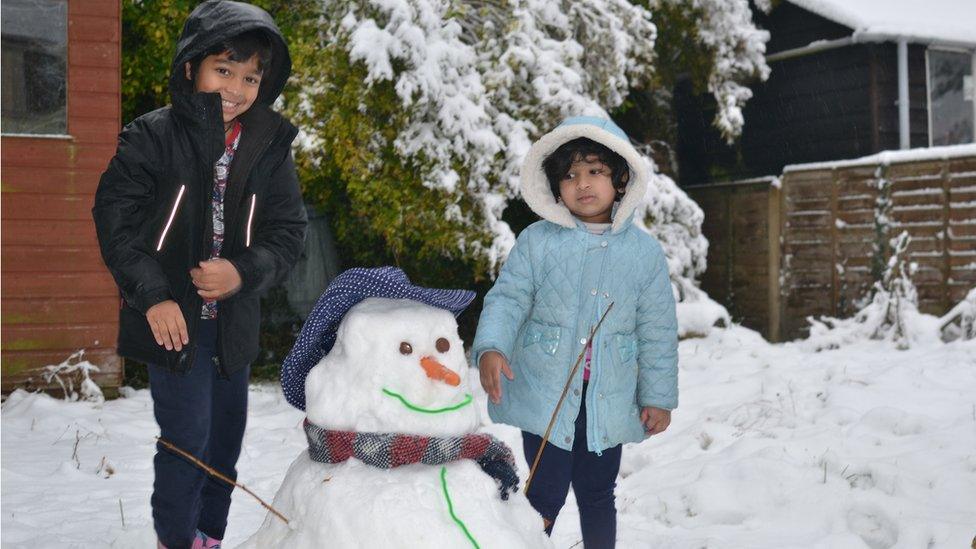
point(832, 223)
point(742, 227)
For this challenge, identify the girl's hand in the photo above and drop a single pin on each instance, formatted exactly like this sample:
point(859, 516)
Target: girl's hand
point(168, 325)
point(216, 279)
point(655, 420)
point(491, 365)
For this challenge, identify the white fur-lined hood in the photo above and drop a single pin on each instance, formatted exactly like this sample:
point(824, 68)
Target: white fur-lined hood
point(535, 186)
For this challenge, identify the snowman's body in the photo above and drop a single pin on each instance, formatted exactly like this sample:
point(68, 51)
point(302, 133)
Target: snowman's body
point(355, 505)
point(397, 367)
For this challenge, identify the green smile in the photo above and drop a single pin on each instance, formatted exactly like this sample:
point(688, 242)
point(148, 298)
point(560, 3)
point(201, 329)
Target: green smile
point(415, 408)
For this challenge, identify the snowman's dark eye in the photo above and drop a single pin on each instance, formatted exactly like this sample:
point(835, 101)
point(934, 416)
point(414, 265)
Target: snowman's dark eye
point(405, 348)
point(443, 345)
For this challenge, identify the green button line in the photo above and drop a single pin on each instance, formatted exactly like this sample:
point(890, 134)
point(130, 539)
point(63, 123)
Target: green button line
point(450, 509)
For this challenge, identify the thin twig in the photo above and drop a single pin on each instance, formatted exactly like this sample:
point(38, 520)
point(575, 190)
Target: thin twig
point(217, 474)
point(121, 512)
point(57, 440)
point(74, 453)
point(559, 403)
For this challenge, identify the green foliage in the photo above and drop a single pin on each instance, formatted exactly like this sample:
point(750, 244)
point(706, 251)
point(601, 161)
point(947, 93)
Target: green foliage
point(149, 33)
point(648, 114)
point(679, 52)
point(380, 208)
point(279, 329)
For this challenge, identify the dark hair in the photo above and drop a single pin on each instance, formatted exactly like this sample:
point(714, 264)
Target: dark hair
point(557, 164)
point(240, 47)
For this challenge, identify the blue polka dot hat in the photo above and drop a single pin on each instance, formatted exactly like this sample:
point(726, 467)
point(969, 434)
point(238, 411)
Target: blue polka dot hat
point(346, 290)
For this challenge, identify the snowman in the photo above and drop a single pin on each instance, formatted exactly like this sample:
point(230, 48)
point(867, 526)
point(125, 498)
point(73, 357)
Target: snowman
point(394, 458)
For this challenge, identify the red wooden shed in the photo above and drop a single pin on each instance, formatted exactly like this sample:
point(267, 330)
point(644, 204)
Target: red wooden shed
point(61, 118)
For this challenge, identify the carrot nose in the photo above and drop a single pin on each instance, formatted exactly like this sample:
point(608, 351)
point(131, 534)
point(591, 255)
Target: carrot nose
point(438, 372)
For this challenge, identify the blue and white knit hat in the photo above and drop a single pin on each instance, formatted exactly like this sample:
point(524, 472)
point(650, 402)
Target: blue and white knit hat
point(346, 290)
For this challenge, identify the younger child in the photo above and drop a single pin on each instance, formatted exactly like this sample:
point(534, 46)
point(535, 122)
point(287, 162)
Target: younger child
point(197, 214)
point(585, 180)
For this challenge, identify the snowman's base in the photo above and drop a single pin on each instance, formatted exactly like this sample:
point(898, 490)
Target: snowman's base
point(354, 505)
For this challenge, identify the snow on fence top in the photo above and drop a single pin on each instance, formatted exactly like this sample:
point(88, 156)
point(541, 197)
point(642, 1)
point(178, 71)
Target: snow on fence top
point(771, 179)
point(946, 21)
point(885, 158)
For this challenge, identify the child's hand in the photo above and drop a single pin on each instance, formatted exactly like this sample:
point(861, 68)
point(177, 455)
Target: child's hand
point(655, 420)
point(168, 325)
point(216, 279)
point(490, 366)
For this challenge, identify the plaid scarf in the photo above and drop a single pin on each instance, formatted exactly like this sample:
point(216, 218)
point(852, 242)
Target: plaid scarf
point(386, 450)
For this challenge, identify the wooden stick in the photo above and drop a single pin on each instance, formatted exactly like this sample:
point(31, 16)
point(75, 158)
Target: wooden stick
point(559, 403)
point(217, 474)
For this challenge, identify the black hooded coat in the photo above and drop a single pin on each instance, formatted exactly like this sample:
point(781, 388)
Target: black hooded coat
point(153, 211)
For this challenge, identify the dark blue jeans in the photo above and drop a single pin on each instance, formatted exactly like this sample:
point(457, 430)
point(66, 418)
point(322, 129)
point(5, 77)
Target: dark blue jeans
point(592, 476)
point(202, 412)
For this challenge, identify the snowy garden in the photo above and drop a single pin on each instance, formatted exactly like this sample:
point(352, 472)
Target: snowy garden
point(855, 445)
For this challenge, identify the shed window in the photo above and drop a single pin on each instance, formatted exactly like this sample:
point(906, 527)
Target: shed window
point(35, 50)
point(952, 113)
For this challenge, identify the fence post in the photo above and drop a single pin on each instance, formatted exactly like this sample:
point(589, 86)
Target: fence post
point(834, 282)
point(730, 297)
point(946, 236)
point(774, 230)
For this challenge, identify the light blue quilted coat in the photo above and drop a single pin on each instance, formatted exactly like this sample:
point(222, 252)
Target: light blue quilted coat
point(554, 287)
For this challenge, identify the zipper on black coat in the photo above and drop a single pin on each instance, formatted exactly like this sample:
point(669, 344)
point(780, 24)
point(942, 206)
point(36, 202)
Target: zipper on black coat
point(203, 246)
point(240, 170)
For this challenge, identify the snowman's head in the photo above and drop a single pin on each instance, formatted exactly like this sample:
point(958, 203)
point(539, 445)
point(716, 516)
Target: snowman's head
point(397, 366)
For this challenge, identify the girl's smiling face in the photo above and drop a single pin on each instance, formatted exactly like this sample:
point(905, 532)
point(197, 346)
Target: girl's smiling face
point(587, 190)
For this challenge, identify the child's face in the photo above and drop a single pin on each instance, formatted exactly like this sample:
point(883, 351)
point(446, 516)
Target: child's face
point(237, 82)
point(587, 190)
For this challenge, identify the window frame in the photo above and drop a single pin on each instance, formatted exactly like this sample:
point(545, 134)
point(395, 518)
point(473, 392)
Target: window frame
point(928, 85)
point(66, 136)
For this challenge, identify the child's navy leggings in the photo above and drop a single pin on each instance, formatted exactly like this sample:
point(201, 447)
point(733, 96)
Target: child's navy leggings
point(593, 478)
point(203, 413)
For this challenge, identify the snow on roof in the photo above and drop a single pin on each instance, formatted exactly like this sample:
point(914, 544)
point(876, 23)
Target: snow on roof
point(890, 157)
point(928, 21)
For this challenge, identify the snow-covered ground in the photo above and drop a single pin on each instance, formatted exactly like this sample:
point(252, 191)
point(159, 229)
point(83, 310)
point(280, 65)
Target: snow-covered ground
point(773, 446)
